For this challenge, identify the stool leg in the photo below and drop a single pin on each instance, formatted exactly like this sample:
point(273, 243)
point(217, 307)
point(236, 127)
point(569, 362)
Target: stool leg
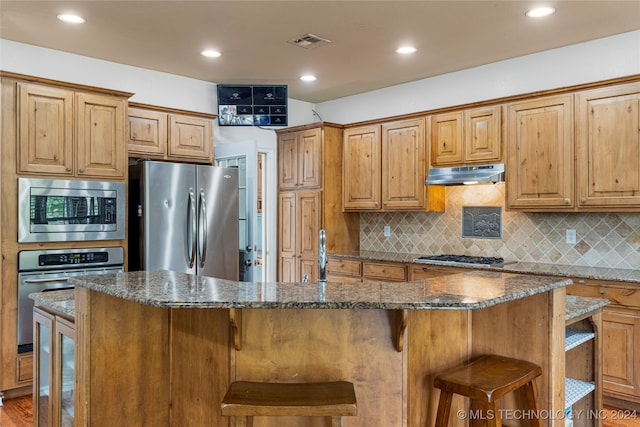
point(244, 421)
point(492, 414)
point(444, 407)
point(336, 421)
point(531, 392)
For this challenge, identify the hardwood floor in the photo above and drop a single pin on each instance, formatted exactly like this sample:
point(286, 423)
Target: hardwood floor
point(18, 412)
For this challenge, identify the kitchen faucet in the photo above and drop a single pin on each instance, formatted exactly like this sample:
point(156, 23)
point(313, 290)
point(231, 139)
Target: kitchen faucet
point(322, 257)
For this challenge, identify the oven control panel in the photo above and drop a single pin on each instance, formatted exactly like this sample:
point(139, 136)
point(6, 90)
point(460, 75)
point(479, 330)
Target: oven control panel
point(73, 258)
point(70, 258)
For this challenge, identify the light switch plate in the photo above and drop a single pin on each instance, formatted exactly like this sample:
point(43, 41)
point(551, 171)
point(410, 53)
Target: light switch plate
point(570, 236)
point(387, 231)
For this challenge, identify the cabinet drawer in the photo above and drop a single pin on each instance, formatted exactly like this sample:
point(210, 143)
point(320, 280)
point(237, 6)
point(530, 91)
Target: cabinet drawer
point(344, 267)
point(393, 272)
point(25, 367)
point(626, 296)
point(419, 272)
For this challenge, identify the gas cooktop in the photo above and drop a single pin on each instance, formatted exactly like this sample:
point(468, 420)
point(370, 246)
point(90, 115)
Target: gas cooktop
point(447, 259)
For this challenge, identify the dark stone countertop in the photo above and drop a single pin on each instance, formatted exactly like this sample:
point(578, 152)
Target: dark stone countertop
point(465, 291)
point(559, 270)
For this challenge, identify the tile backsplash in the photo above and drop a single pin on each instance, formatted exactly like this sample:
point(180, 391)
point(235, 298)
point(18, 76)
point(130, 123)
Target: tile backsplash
point(603, 239)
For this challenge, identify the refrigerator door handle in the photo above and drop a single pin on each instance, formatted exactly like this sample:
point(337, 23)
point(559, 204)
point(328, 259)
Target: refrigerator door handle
point(202, 222)
point(191, 227)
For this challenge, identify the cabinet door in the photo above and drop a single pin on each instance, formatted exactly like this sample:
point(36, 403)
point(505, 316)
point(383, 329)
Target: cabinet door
point(482, 135)
point(310, 158)
point(45, 130)
point(287, 161)
point(65, 373)
point(101, 149)
point(540, 154)
point(147, 133)
point(308, 219)
point(403, 165)
point(44, 380)
point(361, 180)
point(446, 139)
point(621, 339)
point(608, 146)
point(190, 138)
point(287, 235)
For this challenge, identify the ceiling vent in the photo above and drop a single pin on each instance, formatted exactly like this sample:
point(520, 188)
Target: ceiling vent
point(309, 41)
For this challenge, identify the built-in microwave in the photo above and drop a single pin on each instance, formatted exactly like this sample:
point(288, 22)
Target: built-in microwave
point(58, 210)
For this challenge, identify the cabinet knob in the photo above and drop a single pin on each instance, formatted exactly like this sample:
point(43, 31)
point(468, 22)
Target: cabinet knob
point(382, 270)
point(68, 169)
point(567, 201)
point(81, 170)
point(601, 291)
point(583, 201)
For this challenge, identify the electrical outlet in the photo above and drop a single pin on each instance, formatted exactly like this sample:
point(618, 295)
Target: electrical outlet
point(387, 231)
point(570, 236)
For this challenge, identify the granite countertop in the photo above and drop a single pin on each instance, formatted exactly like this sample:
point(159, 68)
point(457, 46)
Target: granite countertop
point(59, 302)
point(578, 306)
point(560, 270)
point(464, 291)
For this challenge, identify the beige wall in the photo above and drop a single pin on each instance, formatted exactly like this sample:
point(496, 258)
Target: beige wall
point(603, 239)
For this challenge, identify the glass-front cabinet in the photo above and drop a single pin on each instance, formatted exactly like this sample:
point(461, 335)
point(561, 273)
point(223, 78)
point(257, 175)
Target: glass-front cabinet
point(53, 389)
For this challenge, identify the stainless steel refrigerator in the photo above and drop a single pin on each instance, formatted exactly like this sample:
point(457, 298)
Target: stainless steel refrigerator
point(183, 217)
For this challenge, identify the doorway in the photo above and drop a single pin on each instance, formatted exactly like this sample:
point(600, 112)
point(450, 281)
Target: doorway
point(256, 166)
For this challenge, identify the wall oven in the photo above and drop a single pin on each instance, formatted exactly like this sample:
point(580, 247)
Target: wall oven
point(50, 270)
point(58, 210)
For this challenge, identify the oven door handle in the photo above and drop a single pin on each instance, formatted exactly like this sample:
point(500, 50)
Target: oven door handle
point(61, 280)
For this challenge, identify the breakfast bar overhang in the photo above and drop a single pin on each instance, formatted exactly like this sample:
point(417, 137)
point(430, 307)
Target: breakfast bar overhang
point(160, 348)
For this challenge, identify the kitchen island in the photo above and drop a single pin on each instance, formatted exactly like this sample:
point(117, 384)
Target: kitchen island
point(160, 348)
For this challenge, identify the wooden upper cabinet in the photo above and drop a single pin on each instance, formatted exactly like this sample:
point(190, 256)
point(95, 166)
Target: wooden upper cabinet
point(446, 139)
point(166, 134)
point(403, 164)
point(190, 138)
point(361, 168)
point(62, 132)
point(147, 132)
point(540, 154)
point(101, 150)
point(467, 137)
point(300, 159)
point(45, 131)
point(608, 146)
point(483, 135)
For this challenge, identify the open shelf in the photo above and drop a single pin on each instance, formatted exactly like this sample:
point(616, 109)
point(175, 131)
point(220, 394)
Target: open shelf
point(574, 390)
point(575, 337)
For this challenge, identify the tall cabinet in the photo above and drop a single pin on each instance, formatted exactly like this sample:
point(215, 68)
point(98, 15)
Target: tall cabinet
point(309, 199)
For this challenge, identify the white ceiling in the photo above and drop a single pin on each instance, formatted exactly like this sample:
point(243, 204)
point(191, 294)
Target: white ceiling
point(252, 36)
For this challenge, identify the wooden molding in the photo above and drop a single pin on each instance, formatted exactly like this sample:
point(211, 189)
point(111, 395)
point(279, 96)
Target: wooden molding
point(235, 319)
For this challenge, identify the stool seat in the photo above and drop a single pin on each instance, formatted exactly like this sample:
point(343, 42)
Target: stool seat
point(247, 399)
point(485, 381)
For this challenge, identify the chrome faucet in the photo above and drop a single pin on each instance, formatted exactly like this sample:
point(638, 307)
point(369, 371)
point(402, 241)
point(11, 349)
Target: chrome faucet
point(322, 257)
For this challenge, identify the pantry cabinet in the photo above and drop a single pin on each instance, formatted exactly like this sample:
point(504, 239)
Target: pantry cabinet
point(309, 199)
point(168, 134)
point(540, 165)
point(608, 146)
point(70, 133)
point(467, 137)
point(385, 168)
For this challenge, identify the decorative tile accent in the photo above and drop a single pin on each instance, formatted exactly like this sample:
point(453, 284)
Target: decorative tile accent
point(482, 222)
point(603, 239)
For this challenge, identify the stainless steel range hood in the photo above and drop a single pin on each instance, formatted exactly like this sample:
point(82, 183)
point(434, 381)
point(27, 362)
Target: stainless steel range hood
point(478, 174)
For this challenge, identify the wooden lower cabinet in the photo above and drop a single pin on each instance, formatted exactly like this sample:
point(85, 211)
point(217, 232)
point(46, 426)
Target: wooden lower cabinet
point(54, 382)
point(389, 272)
point(620, 339)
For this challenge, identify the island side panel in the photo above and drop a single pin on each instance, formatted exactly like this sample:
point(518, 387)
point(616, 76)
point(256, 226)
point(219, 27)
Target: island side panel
point(292, 345)
point(200, 353)
point(122, 362)
point(530, 329)
point(437, 340)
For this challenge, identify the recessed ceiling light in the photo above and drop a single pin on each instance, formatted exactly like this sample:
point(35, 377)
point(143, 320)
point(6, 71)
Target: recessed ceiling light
point(308, 78)
point(406, 50)
point(540, 12)
point(211, 53)
point(71, 18)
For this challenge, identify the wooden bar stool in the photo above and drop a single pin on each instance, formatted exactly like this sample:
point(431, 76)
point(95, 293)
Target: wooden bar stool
point(246, 399)
point(485, 381)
